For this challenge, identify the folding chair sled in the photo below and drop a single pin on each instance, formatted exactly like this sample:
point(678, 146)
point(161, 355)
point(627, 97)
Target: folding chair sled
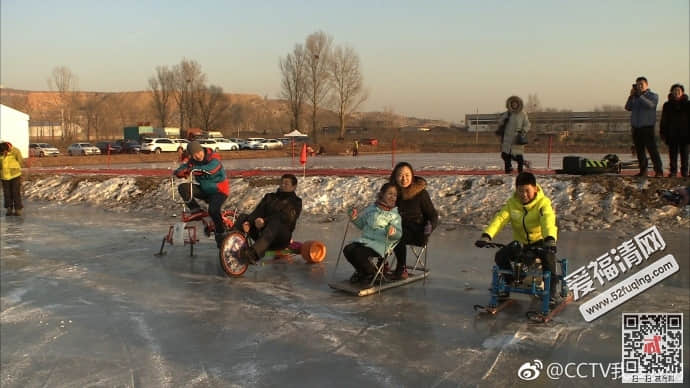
point(381, 280)
point(421, 255)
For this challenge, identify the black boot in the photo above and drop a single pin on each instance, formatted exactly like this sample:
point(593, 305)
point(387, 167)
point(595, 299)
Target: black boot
point(508, 168)
point(248, 255)
point(219, 238)
point(554, 295)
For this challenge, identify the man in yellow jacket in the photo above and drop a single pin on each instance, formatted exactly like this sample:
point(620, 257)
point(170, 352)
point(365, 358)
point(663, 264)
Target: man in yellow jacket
point(533, 220)
point(11, 163)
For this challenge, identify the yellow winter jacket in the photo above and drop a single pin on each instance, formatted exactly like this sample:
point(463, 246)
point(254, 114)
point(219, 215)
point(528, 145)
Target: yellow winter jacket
point(531, 222)
point(11, 163)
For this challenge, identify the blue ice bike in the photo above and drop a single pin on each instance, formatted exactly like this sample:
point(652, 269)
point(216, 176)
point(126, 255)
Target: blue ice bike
point(527, 278)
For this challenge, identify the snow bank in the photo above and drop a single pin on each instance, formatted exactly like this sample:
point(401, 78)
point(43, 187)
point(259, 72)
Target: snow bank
point(581, 203)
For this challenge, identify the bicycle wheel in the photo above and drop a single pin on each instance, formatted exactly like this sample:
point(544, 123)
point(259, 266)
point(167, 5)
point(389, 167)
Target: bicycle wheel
point(229, 254)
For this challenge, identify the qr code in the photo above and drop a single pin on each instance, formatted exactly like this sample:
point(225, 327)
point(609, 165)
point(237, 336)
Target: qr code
point(652, 348)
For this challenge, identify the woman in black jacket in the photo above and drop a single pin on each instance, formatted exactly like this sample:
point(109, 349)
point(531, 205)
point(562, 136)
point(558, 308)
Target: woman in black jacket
point(419, 217)
point(675, 128)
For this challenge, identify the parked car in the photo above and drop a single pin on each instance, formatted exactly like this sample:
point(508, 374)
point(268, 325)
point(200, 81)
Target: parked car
point(252, 141)
point(42, 149)
point(82, 149)
point(227, 145)
point(129, 146)
point(218, 144)
point(370, 141)
point(114, 147)
point(241, 143)
point(268, 144)
point(284, 140)
point(158, 145)
point(182, 143)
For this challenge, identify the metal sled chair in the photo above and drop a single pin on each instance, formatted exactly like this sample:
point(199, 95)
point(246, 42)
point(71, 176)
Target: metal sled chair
point(381, 263)
point(379, 282)
point(421, 254)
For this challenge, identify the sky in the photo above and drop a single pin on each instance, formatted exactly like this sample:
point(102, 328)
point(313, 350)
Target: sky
point(439, 60)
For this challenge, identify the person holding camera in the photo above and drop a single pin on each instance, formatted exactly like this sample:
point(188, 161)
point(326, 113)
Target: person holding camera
point(642, 104)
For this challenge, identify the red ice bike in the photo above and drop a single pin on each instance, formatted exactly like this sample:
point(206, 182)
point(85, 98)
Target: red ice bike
point(185, 233)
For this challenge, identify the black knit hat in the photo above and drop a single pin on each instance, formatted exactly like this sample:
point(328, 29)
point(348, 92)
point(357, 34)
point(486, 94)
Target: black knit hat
point(194, 147)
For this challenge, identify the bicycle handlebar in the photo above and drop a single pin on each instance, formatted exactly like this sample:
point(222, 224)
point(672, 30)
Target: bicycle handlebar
point(490, 244)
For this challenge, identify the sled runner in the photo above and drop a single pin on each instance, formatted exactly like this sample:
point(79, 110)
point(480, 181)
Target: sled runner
point(381, 280)
point(379, 284)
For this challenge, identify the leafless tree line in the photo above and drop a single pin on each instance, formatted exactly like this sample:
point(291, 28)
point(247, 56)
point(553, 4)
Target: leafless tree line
point(183, 87)
point(324, 76)
point(180, 96)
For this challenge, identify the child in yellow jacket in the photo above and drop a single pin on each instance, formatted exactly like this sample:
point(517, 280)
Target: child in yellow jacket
point(11, 163)
point(533, 221)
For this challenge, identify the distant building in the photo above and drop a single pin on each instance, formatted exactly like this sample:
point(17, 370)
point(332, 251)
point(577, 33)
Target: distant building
point(348, 130)
point(411, 128)
point(14, 128)
point(559, 121)
point(45, 129)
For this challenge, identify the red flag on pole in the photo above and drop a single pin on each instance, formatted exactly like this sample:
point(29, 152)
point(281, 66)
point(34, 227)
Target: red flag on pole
point(303, 154)
point(303, 159)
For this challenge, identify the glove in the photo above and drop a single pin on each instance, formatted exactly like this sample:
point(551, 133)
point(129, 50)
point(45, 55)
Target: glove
point(181, 173)
point(391, 230)
point(550, 244)
point(427, 229)
point(481, 243)
point(352, 213)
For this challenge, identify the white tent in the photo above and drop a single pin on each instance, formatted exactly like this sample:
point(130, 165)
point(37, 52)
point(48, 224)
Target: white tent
point(295, 133)
point(14, 127)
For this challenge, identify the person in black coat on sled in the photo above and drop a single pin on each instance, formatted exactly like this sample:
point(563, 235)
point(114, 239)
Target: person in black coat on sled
point(272, 222)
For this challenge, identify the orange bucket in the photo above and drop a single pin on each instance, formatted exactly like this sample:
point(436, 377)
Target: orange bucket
point(313, 251)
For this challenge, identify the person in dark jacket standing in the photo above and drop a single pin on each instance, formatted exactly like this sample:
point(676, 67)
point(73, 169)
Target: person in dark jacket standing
point(419, 217)
point(642, 104)
point(675, 129)
point(271, 224)
point(213, 186)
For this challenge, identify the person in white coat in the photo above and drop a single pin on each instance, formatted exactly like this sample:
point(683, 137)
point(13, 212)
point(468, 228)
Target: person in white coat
point(512, 124)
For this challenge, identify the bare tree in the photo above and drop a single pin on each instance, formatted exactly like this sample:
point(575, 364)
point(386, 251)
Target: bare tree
point(293, 84)
point(93, 111)
point(348, 83)
point(121, 109)
point(188, 78)
point(211, 105)
point(65, 83)
point(390, 118)
point(533, 104)
point(162, 87)
point(318, 47)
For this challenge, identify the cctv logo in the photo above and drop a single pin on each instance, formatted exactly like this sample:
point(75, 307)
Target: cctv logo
point(530, 370)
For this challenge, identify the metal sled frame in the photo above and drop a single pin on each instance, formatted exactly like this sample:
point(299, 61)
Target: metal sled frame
point(380, 282)
point(191, 238)
point(498, 285)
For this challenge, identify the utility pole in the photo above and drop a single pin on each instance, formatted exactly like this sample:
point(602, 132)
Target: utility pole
point(476, 128)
